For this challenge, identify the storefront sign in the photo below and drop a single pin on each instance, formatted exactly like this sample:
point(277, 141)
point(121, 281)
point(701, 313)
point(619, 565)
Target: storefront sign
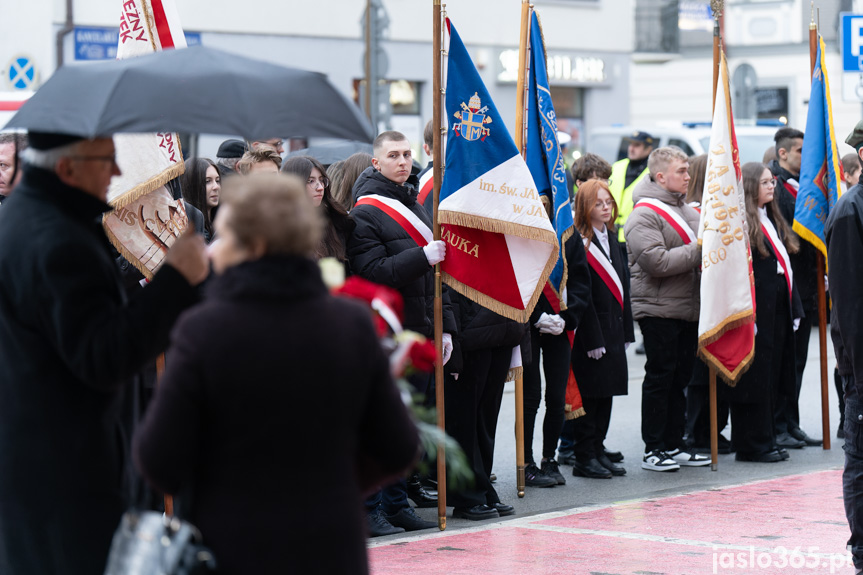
point(562, 69)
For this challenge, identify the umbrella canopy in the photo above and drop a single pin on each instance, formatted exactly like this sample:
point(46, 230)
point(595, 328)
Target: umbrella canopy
point(197, 90)
point(332, 152)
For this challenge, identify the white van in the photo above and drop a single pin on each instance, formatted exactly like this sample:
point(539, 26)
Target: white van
point(611, 143)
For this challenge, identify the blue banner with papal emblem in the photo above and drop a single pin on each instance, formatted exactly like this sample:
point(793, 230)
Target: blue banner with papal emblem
point(543, 155)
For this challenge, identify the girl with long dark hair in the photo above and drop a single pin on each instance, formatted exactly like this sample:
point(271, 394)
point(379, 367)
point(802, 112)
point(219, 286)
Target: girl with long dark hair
point(778, 309)
point(338, 224)
point(202, 184)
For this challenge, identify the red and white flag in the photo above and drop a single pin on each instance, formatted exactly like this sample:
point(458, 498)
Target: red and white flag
point(726, 327)
point(146, 219)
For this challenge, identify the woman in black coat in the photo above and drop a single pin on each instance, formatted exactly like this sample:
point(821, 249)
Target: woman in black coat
point(606, 330)
point(269, 372)
point(778, 310)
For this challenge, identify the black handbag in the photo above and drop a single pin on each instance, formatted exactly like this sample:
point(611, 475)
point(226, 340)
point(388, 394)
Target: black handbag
point(151, 543)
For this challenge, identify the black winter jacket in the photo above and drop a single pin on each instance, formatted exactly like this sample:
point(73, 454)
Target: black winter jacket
point(381, 251)
point(69, 339)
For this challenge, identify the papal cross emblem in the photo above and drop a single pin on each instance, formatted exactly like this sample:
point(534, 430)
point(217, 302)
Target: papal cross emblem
point(472, 116)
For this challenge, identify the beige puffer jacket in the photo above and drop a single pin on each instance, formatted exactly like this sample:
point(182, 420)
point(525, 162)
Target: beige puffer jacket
point(666, 273)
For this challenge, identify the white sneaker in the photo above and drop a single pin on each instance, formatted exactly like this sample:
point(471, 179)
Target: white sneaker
point(687, 459)
point(657, 460)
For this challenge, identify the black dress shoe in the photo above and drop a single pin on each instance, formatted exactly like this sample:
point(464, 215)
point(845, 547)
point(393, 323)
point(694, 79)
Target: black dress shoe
point(591, 468)
point(768, 457)
point(800, 435)
point(379, 526)
point(503, 509)
point(475, 513)
point(613, 456)
point(787, 441)
point(420, 495)
point(408, 518)
point(783, 452)
point(616, 470)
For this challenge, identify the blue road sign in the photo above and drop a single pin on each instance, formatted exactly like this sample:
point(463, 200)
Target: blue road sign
point(852, 42)
point(22, 73)
point(101, 43)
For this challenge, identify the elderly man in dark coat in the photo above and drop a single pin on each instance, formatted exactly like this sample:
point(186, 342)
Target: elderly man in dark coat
point(68, 340)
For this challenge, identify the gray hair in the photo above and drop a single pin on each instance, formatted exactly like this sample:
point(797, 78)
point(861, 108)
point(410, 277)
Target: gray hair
point(660, 158)
point(18, 138)
point(230, 163)
point(47, 159)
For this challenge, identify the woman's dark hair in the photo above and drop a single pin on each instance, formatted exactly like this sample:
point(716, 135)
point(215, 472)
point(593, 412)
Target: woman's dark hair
point(194, 185)
point(697, 173)
point(338, 223)
point(752, 172)
point(351, 170)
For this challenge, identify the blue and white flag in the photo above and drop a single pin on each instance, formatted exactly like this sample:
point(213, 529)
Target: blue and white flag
point(543, 155)
point(502, 245)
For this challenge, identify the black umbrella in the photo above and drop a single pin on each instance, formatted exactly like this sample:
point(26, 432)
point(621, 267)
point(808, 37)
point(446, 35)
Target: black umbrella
point(197, 90)
point(332, 152)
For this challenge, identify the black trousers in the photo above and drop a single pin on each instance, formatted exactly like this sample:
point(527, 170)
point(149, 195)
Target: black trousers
point(787, 413)
point(670, 348)
point(752, 427)
point(556, 355)
point(698, 407)
point(472, 404)
point(852, 477)
point(591, 428)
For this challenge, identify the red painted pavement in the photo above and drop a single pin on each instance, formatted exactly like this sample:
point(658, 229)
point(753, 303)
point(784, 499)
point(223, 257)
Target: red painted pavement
point(791, 525)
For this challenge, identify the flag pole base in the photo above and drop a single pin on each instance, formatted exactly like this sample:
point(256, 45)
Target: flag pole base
point(713, 467)
point(519, 482)
point(441, 523)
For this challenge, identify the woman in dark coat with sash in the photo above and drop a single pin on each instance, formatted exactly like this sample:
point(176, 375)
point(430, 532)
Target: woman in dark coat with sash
point(606, 330)
point(778, 309)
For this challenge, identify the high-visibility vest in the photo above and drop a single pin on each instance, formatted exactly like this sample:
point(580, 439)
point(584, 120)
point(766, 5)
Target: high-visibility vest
point(621, 195)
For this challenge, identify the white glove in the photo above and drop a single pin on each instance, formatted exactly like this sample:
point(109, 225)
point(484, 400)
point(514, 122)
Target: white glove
point(435, 252)
point(826, 283)
point(796, 323)
point(552, 324)
point(447, 346)
point(596, 353)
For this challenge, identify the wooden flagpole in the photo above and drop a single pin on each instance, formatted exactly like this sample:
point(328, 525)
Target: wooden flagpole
point(717, 7)
point(521, 88)
point(819, 275)
point(160, 371)
point(437, 173)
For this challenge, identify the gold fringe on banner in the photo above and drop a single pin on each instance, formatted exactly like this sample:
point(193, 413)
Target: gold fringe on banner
point(499, 227)
point(519, 315)
point(150, 185)
point(569, 414)
point(124, 252)
point(733, 322)
point(514, 373)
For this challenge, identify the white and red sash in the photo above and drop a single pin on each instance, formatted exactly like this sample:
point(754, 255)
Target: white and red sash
point(406, 219)
point(791, 185)
point(778, 249)
point(673, 218)
point(426, 186)
point(603, 268)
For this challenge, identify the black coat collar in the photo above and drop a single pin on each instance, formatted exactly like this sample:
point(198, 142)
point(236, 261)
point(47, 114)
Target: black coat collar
point(271, 277)
point(45, 186)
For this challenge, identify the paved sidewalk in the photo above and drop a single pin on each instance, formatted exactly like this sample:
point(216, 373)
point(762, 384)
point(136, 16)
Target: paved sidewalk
point(794, 524)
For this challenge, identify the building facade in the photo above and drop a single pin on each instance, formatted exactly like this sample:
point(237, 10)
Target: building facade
point(588, 42)
point(767, 46)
